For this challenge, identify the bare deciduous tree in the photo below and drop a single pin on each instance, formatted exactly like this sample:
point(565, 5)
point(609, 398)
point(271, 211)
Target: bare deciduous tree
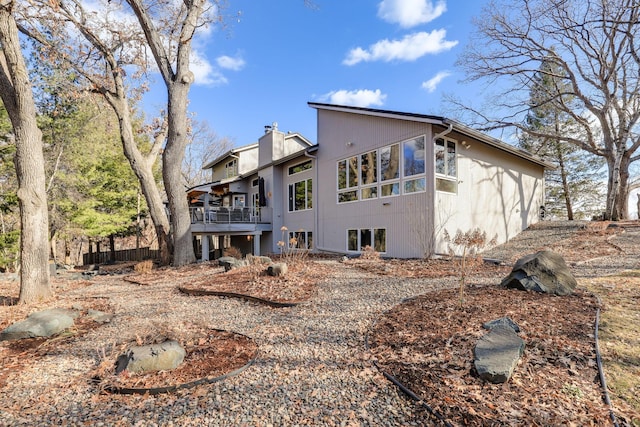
point(594, 44)
point(204, 146)
point(103, 48)
point(173, 59)
point(17, 96)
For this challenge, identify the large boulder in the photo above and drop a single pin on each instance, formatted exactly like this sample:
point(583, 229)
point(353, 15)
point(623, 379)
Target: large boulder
point(44, 323)
point(154, 357)
point(231, 263)
point(497, 353)
point(278, 269)
point(544, 271)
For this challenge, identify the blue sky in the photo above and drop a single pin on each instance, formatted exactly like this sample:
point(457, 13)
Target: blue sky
point(272, 57)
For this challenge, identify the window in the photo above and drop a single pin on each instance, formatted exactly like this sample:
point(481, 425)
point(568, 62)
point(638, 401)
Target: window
point(300, 167)
point(231, 169)
point(373, 237)
point(389, 171)
point(446, 166)
point(300, 239)
point(348, 179)
point(390, 162)
point(413, 154)
point(255, 182)
point(301, 195)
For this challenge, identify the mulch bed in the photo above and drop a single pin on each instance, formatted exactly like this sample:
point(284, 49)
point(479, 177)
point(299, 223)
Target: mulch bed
point(209, 357)
point(427, 343)
point(298, 285)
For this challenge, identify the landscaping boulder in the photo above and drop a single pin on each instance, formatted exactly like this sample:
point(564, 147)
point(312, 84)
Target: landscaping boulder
point(497, 353)
point(230, 263)
point(503, 321)
point(44, 323)
point(154, 357)
point(544, 271)
point(277, 269)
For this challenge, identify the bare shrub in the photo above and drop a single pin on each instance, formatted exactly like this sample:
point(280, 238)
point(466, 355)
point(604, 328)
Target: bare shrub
point(233, 252)
point(467, 244)
point(143, 267)
point(369, 253)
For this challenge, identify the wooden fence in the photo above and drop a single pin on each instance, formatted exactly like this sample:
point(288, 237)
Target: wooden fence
point(123, 255)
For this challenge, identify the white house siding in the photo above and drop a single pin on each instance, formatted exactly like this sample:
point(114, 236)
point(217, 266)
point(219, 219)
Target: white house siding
point(301, 219)
point(406, 218)
point(498, 193)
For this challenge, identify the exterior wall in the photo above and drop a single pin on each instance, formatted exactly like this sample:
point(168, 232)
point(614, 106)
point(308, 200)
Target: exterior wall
point(406, 218)
point(300, 219)
point(247, 161)
point(497, 192)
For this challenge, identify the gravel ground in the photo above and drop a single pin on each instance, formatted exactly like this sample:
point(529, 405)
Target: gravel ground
point(312, 367)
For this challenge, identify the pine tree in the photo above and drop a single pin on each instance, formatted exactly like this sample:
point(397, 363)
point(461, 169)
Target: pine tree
point(573, 188)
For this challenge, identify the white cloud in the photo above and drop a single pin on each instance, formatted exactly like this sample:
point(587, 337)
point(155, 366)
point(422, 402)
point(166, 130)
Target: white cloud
point(231, 63)
point(431, 84)
point(356, 98)
point(204, 73)
point(409, 48)
point(409, 13)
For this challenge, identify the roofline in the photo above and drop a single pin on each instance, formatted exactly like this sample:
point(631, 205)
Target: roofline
point(378, 113)
point(229, 153)
point(437, 120)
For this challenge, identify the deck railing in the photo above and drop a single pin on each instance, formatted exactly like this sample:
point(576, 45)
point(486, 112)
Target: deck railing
point(224, 215)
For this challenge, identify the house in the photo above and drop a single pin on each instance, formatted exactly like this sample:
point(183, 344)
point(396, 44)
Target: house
point(243, 203)
point(390, 180)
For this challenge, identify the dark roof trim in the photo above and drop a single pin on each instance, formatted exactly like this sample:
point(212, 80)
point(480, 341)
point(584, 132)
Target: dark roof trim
point(437, 120)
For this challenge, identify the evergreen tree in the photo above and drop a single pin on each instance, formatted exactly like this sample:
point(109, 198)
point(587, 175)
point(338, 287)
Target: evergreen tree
point(573, 188)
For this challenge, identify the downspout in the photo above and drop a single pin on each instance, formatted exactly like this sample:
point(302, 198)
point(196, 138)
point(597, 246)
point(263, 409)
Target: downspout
point(316, 222)
point(433, 186)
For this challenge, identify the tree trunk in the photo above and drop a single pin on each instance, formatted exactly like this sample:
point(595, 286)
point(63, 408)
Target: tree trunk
point(17, 96)
point(565, 185)
point(143, 169)
point(172, 158)
point(617, 187)
point(112, 249)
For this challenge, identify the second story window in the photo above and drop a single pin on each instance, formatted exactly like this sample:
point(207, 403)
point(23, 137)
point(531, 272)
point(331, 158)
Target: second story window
point(300, 167)
point(301, 195)
point(231, 169)
point(446, 166)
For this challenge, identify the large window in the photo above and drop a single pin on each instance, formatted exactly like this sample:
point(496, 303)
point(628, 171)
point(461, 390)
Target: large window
point(301, 195)
point(388, 171)
point(300, 239)
point(231, 169)
point(376, 238)
point(446, 166)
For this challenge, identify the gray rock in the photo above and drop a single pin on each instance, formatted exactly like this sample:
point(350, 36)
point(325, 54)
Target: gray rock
point(544, 271)
point(503, 321)
point(44, 323)
point(230, 263)
point(277, 269)
point(99, 316)
point(154, 357)
point(497, 353)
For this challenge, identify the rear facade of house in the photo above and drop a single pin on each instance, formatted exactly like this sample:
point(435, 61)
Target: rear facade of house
point(391, 181)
